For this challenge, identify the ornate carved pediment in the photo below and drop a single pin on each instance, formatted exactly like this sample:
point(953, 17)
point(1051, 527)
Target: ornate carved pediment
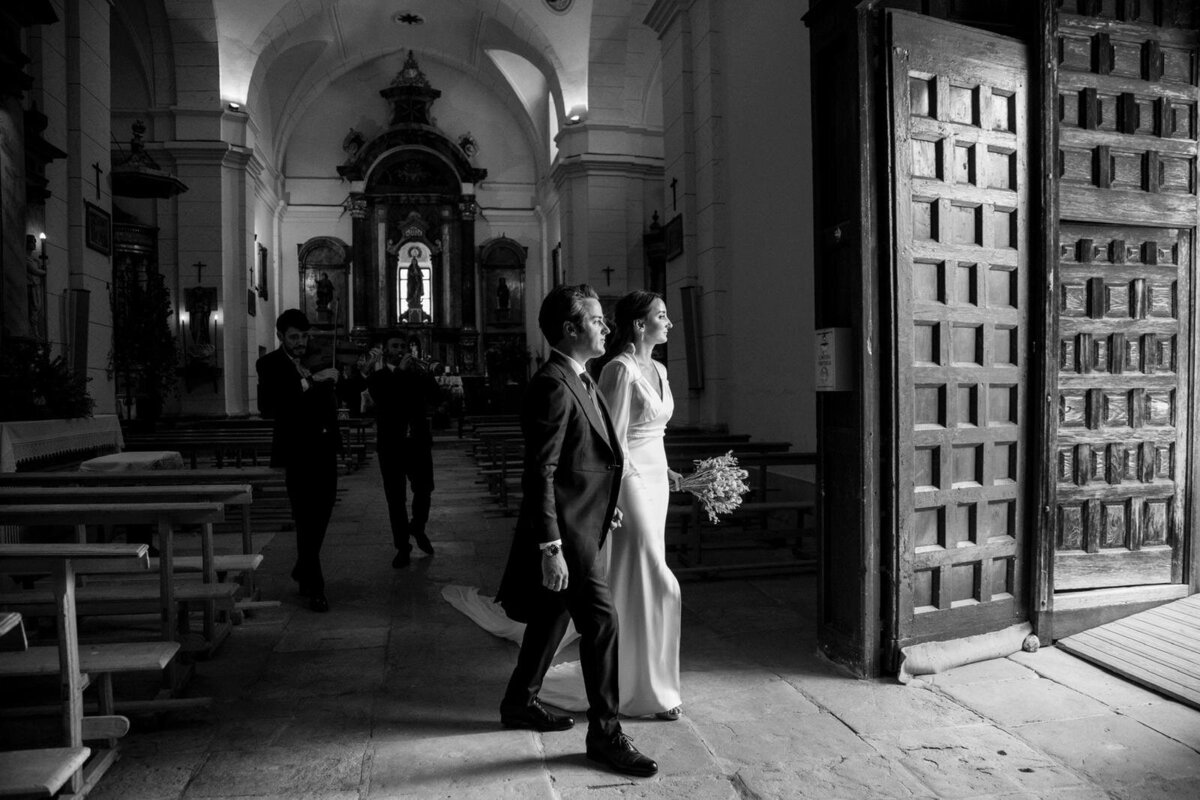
point(431, 153)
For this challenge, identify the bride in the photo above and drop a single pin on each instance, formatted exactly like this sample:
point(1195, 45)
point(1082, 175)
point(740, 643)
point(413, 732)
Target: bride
point(644, 590)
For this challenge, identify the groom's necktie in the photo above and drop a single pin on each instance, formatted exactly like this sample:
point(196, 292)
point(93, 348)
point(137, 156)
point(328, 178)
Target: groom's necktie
point(590, 385)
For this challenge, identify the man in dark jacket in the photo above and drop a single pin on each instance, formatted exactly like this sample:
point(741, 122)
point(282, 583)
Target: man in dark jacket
point(402, 390)
point(305, 442)
point(555, 571)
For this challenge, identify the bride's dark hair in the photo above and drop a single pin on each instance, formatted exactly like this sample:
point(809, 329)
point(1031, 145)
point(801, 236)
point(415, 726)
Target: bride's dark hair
point(629, 310)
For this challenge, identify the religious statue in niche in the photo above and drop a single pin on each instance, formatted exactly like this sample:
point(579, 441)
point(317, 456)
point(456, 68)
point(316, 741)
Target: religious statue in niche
point(416, 286)
point(503, 298)
point(504, 289)
point(324, 296)
point(35, 278)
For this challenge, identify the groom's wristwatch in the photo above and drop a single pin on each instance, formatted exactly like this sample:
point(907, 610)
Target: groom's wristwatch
point(551, 550)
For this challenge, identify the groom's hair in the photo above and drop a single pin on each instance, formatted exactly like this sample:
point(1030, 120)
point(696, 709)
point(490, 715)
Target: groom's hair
point(564, 304)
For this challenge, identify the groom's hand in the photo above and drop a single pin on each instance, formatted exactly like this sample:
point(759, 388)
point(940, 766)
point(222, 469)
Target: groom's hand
point(617, 519)
point(554, 572)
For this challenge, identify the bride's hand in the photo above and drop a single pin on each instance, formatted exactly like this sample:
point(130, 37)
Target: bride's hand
point(675, 478)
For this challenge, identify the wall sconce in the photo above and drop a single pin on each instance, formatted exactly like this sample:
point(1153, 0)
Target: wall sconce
point(235, 106)
point(575, 116)
point(42, 256)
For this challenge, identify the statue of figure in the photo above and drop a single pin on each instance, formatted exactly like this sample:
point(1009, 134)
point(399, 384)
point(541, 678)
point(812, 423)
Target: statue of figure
point(324, 293)
point(503, 297)
point(416, 287)
point(200, 312)
point(35, 278)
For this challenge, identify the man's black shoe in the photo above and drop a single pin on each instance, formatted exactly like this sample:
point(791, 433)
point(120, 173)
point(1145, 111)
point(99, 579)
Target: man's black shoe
point(401, 560)
point(318, 603)
point(423, 542)
point(620, 754)
point(535, 717)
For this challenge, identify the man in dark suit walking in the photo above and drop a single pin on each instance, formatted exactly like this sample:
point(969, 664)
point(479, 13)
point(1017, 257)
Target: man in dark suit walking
point(305, 441)
point(402, 390)
point(555, 572)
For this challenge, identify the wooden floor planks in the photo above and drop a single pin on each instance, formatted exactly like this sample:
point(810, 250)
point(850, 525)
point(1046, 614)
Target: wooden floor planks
point(1159, 648)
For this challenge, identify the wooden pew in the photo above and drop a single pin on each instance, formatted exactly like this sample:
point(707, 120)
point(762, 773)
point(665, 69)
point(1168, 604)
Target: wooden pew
point(45, 769)
point(212, 567)
point(41, 772)
point(270, 502)
point(126, 596)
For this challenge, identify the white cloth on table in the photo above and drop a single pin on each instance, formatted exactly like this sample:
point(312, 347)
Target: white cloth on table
point(137, 460)
point(27, 440)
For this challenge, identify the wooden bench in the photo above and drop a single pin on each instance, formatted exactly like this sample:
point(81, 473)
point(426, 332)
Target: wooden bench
point(128, 596)
point(270, 506)
point(41, 772)
point(72, 765)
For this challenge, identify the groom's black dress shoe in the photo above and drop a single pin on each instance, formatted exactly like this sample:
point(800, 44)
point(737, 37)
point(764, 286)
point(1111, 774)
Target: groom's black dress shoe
point(402, 559)
point(534, 716)
point(319, 603)
point(620, 754)
point(423, 542)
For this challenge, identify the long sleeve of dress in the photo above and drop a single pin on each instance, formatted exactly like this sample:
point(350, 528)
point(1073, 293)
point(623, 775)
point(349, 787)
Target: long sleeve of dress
point(616, 384)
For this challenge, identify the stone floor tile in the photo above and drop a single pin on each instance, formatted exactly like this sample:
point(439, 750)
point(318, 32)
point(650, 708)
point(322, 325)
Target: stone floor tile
point(1087, 678)
point(1116, 752)
point(801, 744)
point(974, 760)
point(876, 706)
point(1027, 701)
point(1175, 720)
point(852, 778)
point(307, 773)
point(506, 764)
point(149, 775)
point(717, 697)
point(337, 638)
point(614, 787)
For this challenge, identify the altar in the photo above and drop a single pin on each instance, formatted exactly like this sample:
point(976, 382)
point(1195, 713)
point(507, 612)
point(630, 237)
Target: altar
point(24, 441)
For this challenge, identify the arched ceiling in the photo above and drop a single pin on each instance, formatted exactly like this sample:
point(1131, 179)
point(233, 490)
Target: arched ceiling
point(334, 35)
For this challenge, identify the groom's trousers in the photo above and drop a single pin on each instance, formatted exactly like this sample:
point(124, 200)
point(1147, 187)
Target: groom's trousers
point(588, 602)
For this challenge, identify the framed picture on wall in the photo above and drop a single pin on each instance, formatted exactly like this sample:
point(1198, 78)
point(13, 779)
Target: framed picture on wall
point(673, 237)
point(263, 272)
point(97, 228)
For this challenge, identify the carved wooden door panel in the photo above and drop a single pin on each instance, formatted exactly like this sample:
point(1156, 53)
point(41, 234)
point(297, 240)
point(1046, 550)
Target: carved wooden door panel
point(1127, 134)
point(1121, 405)
point(959, 100)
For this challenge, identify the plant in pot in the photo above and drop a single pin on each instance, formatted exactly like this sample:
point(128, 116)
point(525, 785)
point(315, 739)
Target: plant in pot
point(35, 386)
point(144, 356)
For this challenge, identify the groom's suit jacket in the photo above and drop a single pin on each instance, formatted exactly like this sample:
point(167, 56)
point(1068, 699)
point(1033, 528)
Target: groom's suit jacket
point(571, 476)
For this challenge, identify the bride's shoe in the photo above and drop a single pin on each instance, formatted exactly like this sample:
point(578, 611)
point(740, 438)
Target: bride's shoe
point(670, 715)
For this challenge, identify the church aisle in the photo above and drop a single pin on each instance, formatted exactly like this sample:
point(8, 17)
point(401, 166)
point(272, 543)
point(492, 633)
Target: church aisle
point(394, 694)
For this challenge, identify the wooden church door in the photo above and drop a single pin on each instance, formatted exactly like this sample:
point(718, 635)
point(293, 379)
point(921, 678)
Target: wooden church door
point(1127, 137)
point(959, 102)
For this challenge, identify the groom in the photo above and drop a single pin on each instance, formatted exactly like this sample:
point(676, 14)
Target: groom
point(555, 572)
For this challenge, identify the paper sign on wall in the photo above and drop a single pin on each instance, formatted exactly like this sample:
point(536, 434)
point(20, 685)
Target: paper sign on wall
point(833, 360)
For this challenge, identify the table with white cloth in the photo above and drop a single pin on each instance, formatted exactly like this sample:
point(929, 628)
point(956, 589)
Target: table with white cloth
point(133, 461)
point(22, 441)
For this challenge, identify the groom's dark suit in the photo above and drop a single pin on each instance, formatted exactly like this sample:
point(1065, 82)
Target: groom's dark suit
point(571, 477)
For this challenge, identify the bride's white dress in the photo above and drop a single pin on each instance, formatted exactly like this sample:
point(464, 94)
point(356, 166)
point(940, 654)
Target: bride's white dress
point(644, 589)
